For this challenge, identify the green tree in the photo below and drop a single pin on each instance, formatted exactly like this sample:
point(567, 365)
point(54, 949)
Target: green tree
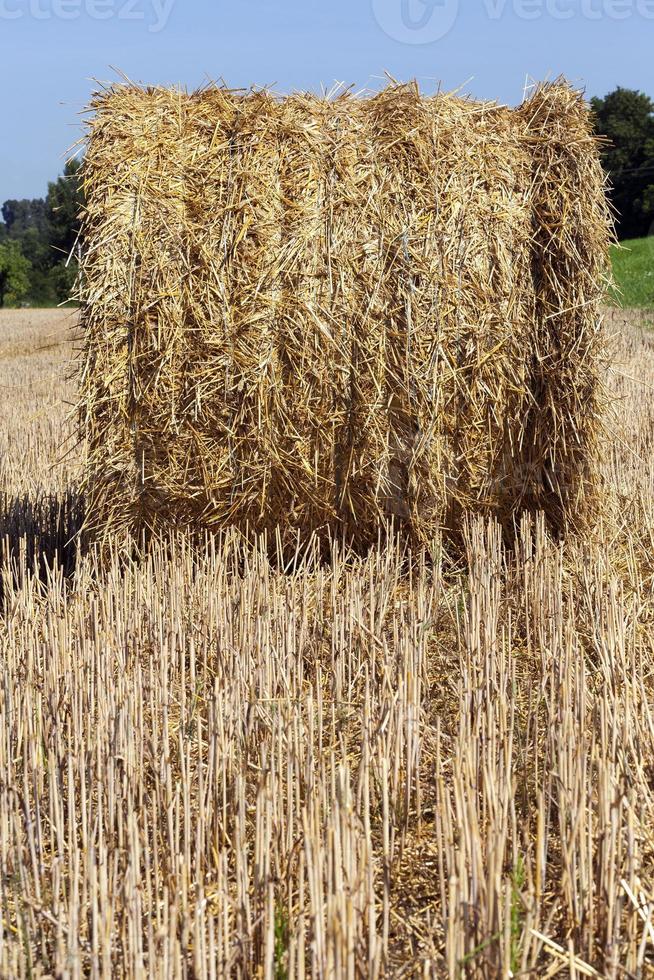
point(26, 222)
point(18, 216)
point(14, 273)
point(626, 118)
point(63, 278)
point(46, 231)
point(63, 206)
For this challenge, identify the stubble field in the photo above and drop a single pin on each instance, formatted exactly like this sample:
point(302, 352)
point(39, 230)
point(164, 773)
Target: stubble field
point(426, 765)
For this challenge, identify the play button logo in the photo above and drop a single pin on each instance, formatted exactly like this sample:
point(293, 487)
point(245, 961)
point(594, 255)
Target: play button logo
point(416, 21)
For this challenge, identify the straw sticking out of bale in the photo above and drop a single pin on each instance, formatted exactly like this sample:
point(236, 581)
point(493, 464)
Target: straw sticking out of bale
point(320, 314)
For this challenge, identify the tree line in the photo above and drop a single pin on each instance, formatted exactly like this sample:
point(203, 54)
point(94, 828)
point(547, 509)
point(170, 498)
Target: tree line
point(625, 119)
point(38, 238)
point(38, 243)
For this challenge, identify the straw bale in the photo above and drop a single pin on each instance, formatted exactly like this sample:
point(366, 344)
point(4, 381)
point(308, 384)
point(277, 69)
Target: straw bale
point(321, 314)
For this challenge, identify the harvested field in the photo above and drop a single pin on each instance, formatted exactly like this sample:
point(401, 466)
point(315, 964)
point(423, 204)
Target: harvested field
point(38, 391)
point(40, 461)
point(372, 767)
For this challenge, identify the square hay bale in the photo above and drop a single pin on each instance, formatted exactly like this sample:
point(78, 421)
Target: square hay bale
point(315, 315)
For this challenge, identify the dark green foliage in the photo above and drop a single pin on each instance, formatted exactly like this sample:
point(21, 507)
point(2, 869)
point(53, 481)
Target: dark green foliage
point(626, 118)
point(14, 273)
point(21, 216)
point(63, 205)
point(45, 231)
point(62, 280)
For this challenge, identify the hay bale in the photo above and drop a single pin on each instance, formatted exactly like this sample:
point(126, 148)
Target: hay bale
point(321, 314)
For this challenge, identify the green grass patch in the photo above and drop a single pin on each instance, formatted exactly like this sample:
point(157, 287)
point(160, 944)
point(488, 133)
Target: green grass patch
point(517, 913)
point(633, 271)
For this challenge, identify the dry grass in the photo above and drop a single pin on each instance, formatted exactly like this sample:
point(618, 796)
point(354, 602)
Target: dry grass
point(314, 314)
point(373, 767)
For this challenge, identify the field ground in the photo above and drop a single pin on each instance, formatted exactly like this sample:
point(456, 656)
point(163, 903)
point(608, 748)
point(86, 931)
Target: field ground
point(633, 270)
point(369, 768)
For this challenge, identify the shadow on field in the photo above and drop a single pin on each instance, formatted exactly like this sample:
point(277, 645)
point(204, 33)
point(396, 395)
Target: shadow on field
point(39, 534)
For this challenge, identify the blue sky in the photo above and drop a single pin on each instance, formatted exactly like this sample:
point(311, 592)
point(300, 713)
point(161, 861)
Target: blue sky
point(50, 50)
